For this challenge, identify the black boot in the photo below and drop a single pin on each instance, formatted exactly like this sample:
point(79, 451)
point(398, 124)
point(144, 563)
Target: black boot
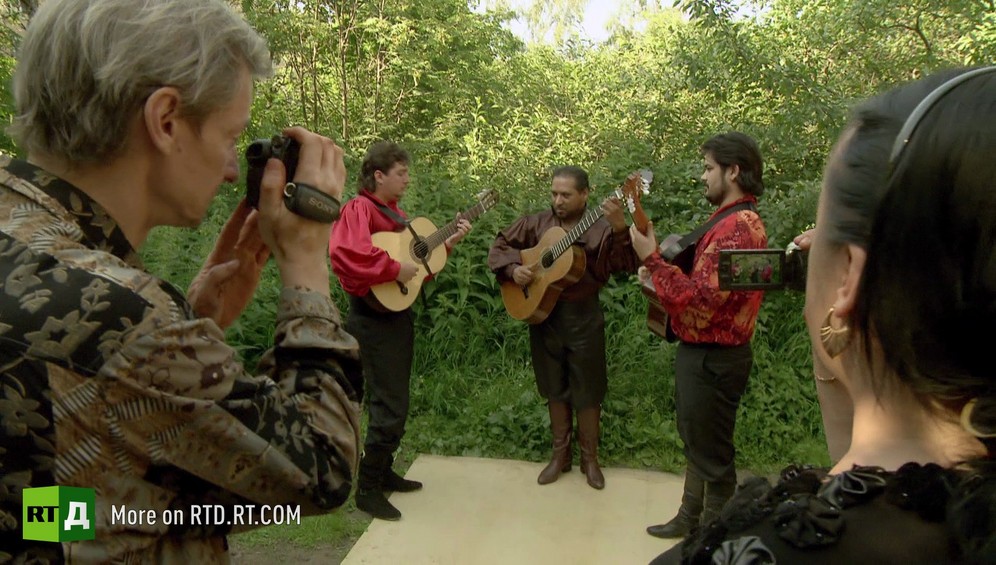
point(588, 429)
point(688, 514)
point(716, 495)
point(394, 482)
point(560, 425)
point(370, 486)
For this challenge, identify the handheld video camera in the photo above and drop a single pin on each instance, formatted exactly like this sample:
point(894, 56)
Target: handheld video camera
point(763, 269)
point(262, 150)
point(302, 199)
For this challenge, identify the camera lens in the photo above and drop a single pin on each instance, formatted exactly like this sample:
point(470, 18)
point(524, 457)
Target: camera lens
point(259, 151)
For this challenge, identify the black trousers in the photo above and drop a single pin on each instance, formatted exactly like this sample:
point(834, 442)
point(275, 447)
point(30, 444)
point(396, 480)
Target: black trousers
point(568, 351)
point(387, 343)
point(709, 382)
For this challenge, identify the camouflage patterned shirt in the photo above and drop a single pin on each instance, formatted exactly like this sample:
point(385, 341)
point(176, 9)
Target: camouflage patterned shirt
point(109, 380)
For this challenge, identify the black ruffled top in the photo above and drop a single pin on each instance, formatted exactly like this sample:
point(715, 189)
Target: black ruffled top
point(865, 515)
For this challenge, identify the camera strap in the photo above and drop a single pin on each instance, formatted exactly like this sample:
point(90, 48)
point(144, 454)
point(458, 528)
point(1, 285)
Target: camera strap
point(691, 239)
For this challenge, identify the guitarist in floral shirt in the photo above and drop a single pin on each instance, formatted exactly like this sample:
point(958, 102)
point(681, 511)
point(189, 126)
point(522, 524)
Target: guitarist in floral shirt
point(714, 326)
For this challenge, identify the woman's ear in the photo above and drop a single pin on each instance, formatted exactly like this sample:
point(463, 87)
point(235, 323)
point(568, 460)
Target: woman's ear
point(847, 292)
point(161, 113)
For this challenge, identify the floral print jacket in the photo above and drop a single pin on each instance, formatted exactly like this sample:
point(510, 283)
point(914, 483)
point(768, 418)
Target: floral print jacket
point(109, 381)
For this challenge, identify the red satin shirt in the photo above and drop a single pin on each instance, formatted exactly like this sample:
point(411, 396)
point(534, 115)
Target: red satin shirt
point(358, 264)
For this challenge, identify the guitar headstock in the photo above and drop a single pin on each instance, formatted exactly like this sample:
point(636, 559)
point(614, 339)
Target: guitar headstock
point(487, 198)
point(637, 184)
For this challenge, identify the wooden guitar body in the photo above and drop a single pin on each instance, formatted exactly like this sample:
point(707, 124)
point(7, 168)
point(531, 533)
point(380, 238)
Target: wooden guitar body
point(533, 303)
point(401, 246)
point(421, 244)
point(658, 320)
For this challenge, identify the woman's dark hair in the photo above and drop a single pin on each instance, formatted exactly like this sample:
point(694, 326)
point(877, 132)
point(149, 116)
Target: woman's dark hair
point(579, 175)
point(928, 289)
point(381, 156)
point(735, 148)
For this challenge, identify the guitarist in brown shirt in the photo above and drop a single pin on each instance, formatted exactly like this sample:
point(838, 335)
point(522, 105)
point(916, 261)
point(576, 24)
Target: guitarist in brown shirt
point(568, 346)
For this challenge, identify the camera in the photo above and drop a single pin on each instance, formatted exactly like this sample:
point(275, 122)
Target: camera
point(259, 152)
point(302, 199)
point(763, 269)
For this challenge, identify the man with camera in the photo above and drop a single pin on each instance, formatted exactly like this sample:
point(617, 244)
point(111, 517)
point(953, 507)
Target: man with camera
point(110, 378)
point(714, 326)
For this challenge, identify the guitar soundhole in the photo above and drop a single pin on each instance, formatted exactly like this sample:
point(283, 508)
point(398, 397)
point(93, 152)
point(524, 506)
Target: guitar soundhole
point(547, 260)
point(420, 249)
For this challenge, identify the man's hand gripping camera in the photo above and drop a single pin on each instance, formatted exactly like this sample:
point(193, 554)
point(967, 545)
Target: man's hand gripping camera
point(302, 199)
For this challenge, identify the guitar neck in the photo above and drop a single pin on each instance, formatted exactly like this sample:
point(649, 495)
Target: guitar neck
point(442, 234)
point(576, 232)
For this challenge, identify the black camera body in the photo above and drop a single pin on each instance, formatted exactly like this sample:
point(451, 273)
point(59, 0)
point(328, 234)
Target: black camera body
point(763, 269)
point(302, 199)
point(262, 150)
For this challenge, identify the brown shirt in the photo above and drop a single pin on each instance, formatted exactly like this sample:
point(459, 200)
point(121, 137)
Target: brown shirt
point(109, 381)
point(606, 252)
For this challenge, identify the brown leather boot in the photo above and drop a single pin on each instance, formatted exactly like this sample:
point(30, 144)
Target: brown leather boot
point(588, 422)
point(560, 425)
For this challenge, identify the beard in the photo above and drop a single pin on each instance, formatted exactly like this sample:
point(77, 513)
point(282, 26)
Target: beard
point(716, 197)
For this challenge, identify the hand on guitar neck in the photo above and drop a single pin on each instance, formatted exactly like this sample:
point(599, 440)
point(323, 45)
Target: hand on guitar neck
point(644, 239)
point(612, 209)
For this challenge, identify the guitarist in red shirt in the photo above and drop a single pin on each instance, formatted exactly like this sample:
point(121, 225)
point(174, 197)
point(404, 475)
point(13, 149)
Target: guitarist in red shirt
point(386, 338)
point(714, 328)
point(568, 346)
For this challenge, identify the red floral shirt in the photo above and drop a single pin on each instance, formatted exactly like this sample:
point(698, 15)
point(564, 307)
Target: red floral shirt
point(699, 312)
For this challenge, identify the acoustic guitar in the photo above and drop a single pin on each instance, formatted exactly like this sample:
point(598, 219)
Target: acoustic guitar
point(658, 320)
point(557, 262)
point(422, 244)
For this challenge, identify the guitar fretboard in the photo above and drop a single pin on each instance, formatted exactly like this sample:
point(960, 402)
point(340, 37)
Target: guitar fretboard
point(430, 242)
point(576, 232)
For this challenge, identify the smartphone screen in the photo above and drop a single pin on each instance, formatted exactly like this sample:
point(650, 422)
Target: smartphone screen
point(751, 269)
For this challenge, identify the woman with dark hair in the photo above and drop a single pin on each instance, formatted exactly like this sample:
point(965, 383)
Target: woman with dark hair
point(901, 309)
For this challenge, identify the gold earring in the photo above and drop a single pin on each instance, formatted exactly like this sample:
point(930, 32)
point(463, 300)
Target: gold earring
point(834, 340)
point(966, 421)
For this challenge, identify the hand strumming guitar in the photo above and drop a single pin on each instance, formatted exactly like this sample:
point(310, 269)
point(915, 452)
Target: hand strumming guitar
point(523, 275)
point(407, 272)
